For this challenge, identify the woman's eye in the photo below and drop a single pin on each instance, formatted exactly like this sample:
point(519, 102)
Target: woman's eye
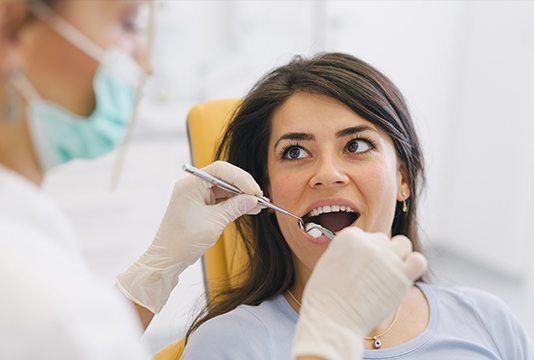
point(294, 153)
point(357, 146)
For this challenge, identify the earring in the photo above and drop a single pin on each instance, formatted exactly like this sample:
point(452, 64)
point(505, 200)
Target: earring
point(404, 204)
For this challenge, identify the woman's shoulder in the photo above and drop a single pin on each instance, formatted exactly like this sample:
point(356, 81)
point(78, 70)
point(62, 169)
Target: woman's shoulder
point(235, 335)
point(243, 333)
point(491, 313)
point(470, 298)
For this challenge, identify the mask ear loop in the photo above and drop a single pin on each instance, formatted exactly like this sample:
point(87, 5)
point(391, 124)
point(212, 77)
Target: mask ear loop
point(22, 92)
point(11, 101)
point(124, 146)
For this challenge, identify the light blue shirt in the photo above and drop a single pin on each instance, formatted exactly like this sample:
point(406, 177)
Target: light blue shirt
point(464, 324)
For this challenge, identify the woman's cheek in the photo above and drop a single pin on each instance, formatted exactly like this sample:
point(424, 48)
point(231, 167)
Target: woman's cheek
point(284, 190)
point(379, 190)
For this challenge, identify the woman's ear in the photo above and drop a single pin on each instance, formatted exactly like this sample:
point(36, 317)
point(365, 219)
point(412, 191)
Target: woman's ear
point(403, 187)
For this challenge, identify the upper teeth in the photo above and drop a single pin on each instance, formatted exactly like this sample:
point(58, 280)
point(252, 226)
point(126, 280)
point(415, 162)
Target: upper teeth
point(329, 208)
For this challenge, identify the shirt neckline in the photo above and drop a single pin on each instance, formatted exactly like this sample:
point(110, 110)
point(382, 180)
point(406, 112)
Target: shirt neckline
point(402, 349)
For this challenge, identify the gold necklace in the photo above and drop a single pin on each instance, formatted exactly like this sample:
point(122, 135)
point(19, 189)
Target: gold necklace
point(377, 343)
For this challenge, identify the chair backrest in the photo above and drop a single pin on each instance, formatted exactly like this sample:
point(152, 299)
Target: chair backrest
point(224, 262)
point(206, 122)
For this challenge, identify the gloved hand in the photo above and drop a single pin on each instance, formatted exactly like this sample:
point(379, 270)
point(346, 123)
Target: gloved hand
point(196, 216)
point(359, 280)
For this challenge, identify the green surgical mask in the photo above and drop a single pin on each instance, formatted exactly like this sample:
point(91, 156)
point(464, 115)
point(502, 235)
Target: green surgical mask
point(60, 136)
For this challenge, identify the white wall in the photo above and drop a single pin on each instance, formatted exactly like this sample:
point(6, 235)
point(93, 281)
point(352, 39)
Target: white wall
point(466, 69)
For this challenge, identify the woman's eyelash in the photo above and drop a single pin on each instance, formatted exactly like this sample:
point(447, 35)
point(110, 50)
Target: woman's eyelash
point(372, 144)
point(286, 148)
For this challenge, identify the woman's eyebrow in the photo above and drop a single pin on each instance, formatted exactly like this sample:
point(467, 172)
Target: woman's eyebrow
point(310, 137)
point(295, 136)
point(354, 130)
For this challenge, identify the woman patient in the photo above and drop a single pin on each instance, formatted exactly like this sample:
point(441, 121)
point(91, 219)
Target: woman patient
point(331, 139)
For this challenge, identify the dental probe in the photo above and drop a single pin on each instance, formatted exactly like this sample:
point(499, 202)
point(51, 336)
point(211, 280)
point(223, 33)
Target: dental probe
point(313, 229)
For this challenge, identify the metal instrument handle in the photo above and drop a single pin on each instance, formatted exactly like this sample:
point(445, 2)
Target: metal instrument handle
point(263, 201)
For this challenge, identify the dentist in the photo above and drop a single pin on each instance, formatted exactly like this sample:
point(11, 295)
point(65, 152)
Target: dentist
point(70, 79)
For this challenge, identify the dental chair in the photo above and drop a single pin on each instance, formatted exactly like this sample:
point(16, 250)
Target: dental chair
point(224, 262)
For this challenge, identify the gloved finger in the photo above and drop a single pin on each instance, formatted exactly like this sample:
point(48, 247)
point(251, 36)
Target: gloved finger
point(402, 246)
point(235, 176)
point(350, 233)
point(222, 195)
point(415, 265)
point(256, 210)
point(233, 208)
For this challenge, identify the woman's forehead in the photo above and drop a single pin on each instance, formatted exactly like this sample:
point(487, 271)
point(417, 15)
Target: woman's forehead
point(315, 113)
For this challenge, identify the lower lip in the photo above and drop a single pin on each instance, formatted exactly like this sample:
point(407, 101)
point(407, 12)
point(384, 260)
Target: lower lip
point(323, 239)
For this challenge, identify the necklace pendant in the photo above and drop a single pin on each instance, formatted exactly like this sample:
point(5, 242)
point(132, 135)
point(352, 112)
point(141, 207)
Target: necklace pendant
point(378, 343)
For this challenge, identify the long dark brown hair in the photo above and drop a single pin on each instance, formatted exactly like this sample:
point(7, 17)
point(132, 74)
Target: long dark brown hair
point(359, 86)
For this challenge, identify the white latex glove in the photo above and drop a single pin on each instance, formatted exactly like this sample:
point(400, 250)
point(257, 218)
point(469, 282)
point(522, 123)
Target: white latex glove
point(359, 280)
point(195, 218)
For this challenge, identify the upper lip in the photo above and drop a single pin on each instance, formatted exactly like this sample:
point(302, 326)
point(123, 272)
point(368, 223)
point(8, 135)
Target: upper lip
point(330, 202)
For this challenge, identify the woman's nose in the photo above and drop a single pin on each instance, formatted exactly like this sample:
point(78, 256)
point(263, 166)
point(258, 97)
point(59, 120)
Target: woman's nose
point(328, 173)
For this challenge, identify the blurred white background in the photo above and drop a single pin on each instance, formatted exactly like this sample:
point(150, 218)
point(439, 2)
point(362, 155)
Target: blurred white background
point(466, 69)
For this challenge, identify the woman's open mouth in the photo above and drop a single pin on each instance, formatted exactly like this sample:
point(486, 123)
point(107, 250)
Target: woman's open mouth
point(333, 217)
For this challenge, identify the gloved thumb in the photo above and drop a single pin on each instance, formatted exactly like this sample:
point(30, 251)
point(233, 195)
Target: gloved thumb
point(237, 206)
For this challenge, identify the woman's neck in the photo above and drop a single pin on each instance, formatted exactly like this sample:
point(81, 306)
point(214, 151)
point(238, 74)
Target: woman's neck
point(16, 149)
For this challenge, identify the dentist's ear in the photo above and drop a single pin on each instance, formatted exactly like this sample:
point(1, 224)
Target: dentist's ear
point(13, 13)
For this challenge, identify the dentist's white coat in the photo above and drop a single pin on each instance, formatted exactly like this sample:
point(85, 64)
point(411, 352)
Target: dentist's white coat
point(51, 306)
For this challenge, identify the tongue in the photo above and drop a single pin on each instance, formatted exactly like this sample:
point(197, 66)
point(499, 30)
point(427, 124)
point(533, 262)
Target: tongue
point(335, 221)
